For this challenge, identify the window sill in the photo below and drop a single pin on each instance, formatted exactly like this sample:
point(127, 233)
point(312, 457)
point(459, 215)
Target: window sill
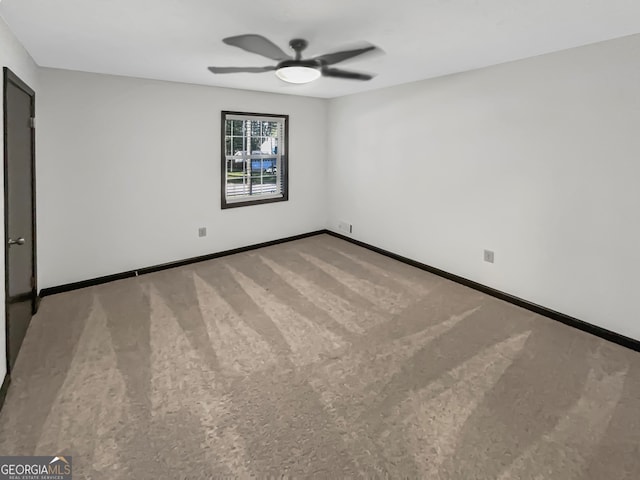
point(245, 202)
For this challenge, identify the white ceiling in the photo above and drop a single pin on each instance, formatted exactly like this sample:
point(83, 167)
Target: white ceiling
point(177, 39)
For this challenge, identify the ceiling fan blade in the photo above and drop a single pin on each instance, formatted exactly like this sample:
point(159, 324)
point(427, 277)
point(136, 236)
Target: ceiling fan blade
point(257, 44)
point(337, 73)
point(240, 69)
point(333, 58)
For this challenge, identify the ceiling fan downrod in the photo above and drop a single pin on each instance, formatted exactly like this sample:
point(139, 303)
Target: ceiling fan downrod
point(298, 45)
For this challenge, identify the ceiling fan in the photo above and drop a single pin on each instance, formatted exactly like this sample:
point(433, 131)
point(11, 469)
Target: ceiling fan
point(294, 69)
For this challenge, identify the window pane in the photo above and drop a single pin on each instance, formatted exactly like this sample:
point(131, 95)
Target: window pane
point(238, 145)
point(237, 127)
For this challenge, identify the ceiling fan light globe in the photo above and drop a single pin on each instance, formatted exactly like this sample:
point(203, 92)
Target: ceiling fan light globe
point(298, 74)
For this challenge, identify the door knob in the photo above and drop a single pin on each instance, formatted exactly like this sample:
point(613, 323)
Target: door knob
point(17, 241)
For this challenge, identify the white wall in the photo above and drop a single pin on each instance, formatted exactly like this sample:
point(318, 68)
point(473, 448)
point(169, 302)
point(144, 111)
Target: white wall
point(129, 169)
point(14, 56)
point(538, 160)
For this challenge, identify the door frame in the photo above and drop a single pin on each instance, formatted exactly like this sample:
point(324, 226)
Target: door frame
point(11, 78)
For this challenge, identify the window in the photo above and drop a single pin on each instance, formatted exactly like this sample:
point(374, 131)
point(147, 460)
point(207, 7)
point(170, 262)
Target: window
point(254, 158)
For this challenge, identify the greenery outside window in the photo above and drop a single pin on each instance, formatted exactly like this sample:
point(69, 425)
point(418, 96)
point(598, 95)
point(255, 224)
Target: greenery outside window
point(254, 158)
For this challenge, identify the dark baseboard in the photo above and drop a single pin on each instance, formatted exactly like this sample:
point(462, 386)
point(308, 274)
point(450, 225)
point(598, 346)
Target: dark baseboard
point(4, 389)
point(614, 337)
point(179, 263)
point(547, 312)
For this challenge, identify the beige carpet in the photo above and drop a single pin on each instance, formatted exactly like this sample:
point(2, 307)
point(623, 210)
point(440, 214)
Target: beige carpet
point(317, 359)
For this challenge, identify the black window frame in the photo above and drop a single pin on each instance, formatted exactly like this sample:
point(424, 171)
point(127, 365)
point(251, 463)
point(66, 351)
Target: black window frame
point(284, 183)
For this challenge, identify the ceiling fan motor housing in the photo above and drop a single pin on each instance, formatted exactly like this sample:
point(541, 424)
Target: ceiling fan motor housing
point(299, 63)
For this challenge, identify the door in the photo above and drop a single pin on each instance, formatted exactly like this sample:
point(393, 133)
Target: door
point(19, 210)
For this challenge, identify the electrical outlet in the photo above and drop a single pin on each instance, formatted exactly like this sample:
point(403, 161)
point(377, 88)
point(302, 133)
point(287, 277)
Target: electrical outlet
point(202, 232)
point(345, 227)
point(488, 256)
